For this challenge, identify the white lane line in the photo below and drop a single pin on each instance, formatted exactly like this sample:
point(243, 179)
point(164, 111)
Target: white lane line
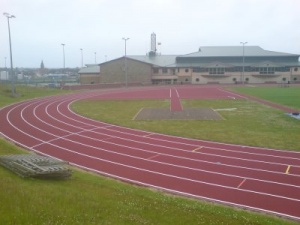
point(177, 93)
point(154, 156)
point(180, 149)
point(210, 154)
point(189, 194)
point(170, 164)
point(171, 176)
point(130, 156)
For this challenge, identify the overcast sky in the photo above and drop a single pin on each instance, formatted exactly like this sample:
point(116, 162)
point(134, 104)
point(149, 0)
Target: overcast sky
point(182, 26)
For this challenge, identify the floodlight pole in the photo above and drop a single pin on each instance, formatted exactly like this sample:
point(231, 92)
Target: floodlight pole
point(8, 16)
point(81, 57)
point(125, 58)
point(243, 73)
point(64, 61)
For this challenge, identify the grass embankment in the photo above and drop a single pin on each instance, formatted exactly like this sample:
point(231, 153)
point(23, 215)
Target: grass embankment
point(90, 199)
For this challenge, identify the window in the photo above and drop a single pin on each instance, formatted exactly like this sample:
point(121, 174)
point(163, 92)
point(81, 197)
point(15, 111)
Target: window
point(164, 70)
point(216, 70)
point(196, 70)
point(296, 69)
point(267, 70)
point(155, 70)
point(197, 79)
point(186, 70)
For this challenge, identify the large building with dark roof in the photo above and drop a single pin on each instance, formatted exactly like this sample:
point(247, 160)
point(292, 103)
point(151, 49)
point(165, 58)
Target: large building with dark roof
point(219, 64)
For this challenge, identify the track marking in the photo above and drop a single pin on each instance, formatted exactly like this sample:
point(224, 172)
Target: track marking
point(148, 135)
point(154, 156)
point(196, 149)
point(137, 113)
point(243, 181)
point(288, 169)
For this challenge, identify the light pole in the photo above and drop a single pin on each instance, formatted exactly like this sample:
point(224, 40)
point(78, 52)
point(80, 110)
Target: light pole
point(81, 57)
point(125, 58)
point(243, 43)
point(64, 57)
point(8, 16)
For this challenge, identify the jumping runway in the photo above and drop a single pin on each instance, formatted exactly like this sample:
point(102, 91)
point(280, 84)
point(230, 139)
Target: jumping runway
point(259, 179)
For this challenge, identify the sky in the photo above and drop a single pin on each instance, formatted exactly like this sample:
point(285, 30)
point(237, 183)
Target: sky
point(181, 26)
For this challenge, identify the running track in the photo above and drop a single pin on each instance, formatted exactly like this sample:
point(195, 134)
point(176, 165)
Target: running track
point(259, 179)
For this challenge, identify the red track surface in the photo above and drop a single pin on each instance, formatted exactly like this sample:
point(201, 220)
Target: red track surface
point(255, 178)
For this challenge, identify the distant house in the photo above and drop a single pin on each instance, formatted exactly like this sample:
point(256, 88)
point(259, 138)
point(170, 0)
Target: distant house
point(90, 74)
point(212, 64)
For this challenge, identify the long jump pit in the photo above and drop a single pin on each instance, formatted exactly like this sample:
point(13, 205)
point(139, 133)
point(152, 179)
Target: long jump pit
point(185, 114)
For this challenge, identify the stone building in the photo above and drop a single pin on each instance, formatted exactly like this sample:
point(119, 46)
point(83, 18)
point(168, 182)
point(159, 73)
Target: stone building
point(218, 64)
point(90, 74)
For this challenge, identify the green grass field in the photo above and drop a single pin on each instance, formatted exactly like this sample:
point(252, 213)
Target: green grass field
point(250, 123)
point(288, 96)
point(87, 198)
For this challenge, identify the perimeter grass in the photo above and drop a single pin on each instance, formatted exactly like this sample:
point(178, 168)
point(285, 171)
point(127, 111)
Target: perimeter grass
point(251, 123)
point(288, 96)
point(91, 199)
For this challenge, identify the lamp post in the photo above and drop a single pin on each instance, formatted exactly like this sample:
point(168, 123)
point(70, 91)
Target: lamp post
point(5, 68)
point(64, 57)
point(125, 58)
point(243, 43)
point(81, 57)
point(8, 16)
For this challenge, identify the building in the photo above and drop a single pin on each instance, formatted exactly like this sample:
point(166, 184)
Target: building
point(90, 74)
point(219, 64)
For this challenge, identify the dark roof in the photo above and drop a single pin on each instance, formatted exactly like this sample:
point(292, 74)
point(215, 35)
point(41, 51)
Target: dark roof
point(234, 51)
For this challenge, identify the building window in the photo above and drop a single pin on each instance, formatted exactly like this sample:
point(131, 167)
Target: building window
point(267, 70)
point(296, 69)
point(164, 70)
point(186, 70)
point(196, 70)
point(215, 71)
point(197, 79)
point(155, 70)
point(186, 79)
